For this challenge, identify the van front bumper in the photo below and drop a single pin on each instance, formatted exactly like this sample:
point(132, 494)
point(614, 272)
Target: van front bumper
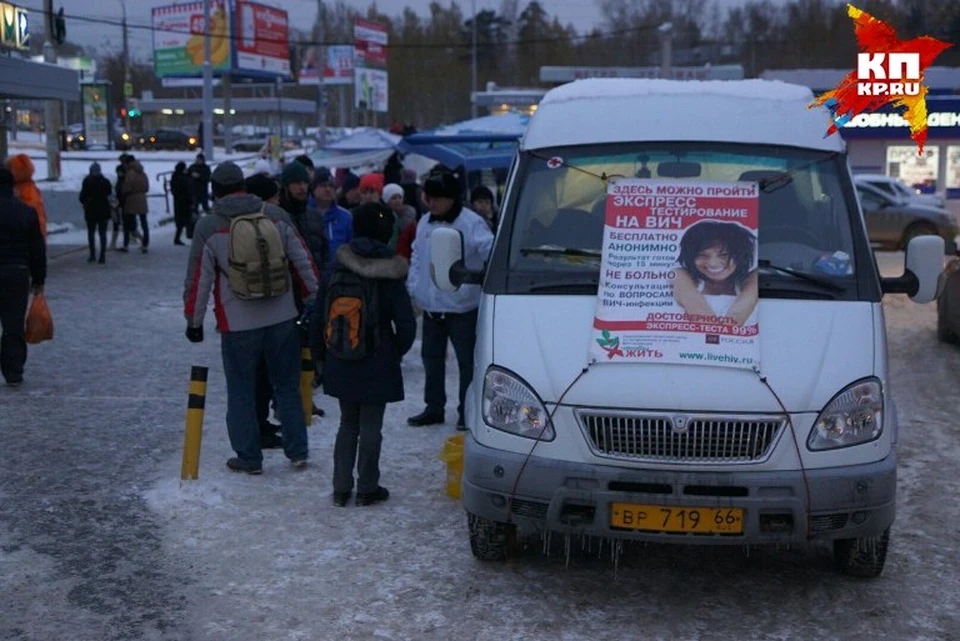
point(576, 498)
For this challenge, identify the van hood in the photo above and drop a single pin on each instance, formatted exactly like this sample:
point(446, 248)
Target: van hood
point(809, 351)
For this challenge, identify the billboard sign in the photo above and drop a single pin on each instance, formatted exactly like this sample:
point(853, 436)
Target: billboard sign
point(14, 30)
point(263, 43)
point(95, 99)
point(370, 43)
point(339, 67)
point(371, 89)
point(178, 38)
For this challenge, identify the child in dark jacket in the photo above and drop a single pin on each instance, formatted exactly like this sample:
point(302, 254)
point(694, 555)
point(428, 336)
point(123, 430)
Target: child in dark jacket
point(365, 386)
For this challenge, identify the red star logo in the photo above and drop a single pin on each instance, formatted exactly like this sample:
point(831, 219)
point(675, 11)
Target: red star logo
point(878, 38)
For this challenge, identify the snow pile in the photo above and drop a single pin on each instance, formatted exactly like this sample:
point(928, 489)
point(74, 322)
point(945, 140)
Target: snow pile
point(593, 88)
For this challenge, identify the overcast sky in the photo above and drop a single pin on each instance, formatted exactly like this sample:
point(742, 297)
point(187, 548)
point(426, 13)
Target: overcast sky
point(584, 14)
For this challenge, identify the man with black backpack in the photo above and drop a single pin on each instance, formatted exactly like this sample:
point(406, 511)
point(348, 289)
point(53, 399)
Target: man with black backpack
point(245, 252)
point(369, 327)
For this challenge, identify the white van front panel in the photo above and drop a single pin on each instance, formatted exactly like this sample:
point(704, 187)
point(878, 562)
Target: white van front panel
point(809, 351)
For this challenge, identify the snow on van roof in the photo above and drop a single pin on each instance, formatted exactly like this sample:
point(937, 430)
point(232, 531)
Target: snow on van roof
point(611, 110)
point(593, 88)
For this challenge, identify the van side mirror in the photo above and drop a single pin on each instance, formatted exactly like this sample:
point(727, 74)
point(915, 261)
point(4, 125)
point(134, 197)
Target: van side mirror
point(447, 268)
point(923, 265)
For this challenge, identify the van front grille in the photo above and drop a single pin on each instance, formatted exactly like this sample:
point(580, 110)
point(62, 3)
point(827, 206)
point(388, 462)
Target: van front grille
point(665, 439)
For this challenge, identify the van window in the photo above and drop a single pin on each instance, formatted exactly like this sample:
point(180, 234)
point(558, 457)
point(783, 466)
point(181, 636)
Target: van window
point(804, 216)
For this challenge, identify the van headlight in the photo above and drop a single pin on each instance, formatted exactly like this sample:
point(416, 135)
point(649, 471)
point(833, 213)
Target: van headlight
point(511, 406)
point(852, 417)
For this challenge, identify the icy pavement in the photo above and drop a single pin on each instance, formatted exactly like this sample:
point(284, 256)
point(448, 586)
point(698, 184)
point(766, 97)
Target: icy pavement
point(100, 541)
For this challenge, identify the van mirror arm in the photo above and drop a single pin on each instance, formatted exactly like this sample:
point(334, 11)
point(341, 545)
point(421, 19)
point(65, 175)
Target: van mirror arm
point(461, 275)
point(907, 284)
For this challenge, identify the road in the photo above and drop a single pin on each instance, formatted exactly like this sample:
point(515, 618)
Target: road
point(98, 543)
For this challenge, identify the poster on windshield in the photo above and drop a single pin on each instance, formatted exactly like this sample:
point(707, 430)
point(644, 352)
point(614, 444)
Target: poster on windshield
point(678, 281)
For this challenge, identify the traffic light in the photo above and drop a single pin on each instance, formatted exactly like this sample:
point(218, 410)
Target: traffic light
point(134, 113)
point(123, 112)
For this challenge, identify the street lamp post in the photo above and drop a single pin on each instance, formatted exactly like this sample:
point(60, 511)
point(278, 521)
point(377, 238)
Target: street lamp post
point(473, 61)
point(207, 86)
point(51, 109)
point(126, 67)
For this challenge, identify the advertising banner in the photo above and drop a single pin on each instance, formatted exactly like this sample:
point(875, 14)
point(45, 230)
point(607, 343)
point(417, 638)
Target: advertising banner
point(339, 67)
point(678, 280)
point(178, 38)
point(263, 44)
point(370, 42)
point(371, 89)
point(95, 99)
point(14, 29)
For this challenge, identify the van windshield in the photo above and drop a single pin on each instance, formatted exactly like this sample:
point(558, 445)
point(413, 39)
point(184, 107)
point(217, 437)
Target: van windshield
point(805, 231)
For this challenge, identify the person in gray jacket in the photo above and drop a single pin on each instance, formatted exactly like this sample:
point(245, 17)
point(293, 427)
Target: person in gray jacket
point(250, 329)
point(446, 316)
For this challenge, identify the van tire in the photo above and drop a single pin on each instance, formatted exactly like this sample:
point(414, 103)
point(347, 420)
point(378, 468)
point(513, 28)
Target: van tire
point(489, 540)
point(917, 229)
point(863, 557)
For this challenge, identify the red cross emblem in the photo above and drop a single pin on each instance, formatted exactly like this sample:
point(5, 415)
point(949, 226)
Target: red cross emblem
point(555, 163)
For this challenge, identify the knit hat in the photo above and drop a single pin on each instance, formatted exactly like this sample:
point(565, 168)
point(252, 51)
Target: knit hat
point(373, 220)
point(372, 181)
point(227, 178)
point(322, 175)
point(391, 190)
point(481, 192)
point(294, 173)
point(262, 186)
point(350, 182)
point(409, 175)
point(95, 169)
point(263, 167)
point(304, 160)
point(442, 185)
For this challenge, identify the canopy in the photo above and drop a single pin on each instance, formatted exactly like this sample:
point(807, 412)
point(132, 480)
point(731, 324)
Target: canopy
point(366, 139)
point(489, 142)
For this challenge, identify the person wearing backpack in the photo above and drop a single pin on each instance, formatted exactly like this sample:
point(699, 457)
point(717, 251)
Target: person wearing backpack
point(252, 258)
point(369, 327)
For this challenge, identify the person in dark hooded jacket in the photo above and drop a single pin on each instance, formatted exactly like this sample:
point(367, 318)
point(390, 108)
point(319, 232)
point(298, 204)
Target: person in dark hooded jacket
point(182, 202)
point(95, 198)
point(365, 386)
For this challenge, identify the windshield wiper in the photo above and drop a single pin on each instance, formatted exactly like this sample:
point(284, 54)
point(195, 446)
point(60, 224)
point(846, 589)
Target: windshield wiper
point(560, 251)
point(822, 282)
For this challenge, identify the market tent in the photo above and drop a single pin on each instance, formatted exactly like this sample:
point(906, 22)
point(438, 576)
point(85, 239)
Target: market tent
point(367, 149)
point(489, 142)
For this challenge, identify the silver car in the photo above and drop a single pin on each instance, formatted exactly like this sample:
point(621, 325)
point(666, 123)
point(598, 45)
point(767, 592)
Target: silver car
point(896, 189)
point(891, 223)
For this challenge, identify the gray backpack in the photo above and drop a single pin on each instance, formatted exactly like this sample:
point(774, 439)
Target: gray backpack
point(258, 262)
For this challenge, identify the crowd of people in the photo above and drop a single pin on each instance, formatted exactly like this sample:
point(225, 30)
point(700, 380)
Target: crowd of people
point(358, 255)
point(335, 262)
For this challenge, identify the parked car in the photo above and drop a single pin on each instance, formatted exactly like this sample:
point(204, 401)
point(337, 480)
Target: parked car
point(895, 188)
point(892, 222)
point(167, 139)
point(123, 140)
point(948, 304)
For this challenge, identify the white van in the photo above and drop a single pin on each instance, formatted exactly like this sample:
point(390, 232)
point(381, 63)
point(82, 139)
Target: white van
point(798, 447)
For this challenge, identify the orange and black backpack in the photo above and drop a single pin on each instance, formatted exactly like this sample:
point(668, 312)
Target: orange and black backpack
point(353, 316)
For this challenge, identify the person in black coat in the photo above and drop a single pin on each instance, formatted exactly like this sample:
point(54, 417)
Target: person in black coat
point(95, 197)
point(182, 202)
point(23, 261)
point(364, 387)
point(200, 185)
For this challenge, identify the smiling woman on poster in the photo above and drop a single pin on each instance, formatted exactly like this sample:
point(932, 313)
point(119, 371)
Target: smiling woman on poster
point(717, 274)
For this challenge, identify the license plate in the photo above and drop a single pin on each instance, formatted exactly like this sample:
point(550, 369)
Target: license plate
point(690, 520)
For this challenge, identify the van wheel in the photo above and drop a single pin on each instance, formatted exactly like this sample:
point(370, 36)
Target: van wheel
point(917, 229)
point(862, 557)
point(489, 540)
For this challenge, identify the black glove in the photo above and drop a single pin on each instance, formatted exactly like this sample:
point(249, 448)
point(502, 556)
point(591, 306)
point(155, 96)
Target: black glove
point(195, 334)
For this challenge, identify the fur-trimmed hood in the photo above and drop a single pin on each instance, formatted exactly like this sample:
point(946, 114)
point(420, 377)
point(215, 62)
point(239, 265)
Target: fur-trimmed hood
point(392, 267)
point(21, 167)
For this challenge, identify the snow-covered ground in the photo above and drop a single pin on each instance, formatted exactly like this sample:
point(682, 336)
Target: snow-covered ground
point(101, 541)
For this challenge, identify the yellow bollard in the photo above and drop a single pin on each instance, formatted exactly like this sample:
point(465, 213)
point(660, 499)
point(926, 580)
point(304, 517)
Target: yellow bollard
point(190, 469)
point(306, 383)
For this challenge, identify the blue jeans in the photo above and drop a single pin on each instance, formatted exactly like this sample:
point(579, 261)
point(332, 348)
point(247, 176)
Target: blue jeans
point(280, 346)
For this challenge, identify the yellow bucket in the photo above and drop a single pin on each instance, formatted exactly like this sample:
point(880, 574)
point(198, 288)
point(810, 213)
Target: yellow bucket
point(452, 455)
